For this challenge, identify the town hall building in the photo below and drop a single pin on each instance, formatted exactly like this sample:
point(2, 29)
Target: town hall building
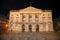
point(30, 19)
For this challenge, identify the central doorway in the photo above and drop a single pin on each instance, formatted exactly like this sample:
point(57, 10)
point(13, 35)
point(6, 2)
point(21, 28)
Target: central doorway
point(30, 28)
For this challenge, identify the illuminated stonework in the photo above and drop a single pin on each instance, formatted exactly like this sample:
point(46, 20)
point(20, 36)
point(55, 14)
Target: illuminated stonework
point(30, 19)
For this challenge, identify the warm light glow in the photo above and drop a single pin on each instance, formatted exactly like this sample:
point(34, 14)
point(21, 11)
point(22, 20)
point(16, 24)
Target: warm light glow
point(6, 25)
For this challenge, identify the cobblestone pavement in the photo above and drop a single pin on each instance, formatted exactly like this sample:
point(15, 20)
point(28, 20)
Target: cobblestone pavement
point(30, 36)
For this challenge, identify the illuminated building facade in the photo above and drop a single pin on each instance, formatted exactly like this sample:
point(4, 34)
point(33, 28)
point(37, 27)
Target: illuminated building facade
point(30, 19)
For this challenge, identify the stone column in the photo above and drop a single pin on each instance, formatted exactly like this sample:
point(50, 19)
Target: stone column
point(40, 27)
point(33, 28)
point(26, 27)
point(51, 28)
point(47, 28)
point(19, 28)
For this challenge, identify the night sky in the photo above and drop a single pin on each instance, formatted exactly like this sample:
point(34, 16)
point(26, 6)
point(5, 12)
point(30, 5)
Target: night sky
point(7, 5)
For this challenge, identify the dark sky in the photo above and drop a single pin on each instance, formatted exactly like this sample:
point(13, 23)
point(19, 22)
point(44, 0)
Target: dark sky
point(7, 5)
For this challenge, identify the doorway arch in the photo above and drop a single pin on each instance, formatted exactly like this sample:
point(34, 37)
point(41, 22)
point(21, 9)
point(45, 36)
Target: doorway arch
point(30, 28)
point(23, 28)
point(37, 28)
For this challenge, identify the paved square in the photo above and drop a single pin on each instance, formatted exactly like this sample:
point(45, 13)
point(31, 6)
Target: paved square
point(30, 36)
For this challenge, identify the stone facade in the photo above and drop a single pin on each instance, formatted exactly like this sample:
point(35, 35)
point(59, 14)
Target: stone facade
point(30, 19)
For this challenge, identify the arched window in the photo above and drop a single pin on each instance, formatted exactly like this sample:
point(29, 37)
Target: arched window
point(30, 27)
point(37, 28)
point(23, 28)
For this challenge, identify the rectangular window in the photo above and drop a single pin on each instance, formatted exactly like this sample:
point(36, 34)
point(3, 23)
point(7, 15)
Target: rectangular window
point(36, 16)
point(23, 16)
point(30, 16)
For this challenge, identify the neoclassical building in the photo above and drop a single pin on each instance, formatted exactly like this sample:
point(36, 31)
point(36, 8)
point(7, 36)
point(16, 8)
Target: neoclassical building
point(30, 19)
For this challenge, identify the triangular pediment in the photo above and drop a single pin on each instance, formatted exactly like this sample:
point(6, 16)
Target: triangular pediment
point(30, 9)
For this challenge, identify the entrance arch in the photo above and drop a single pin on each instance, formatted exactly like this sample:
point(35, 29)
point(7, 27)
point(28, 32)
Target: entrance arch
point(37, 28)
point(23, 28)
point(30, 28)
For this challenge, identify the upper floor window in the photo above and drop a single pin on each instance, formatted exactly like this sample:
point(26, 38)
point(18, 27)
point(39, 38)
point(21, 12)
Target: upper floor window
point(30, 16)
point(43, 14)
point(16, 14)
point(23, 16)
point(36, 16)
